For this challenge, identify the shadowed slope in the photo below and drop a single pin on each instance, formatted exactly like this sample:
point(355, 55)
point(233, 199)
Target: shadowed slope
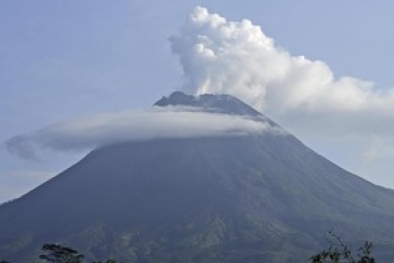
point(230, 199)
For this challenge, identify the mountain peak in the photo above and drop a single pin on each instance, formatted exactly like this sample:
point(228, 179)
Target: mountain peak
point(209, 102)
point(219, 199)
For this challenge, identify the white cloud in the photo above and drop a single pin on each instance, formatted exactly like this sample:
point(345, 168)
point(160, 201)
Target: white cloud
point(104, 129)
point(220, 56)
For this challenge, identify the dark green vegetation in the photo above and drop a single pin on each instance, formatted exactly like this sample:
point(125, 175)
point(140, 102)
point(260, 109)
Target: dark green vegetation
point(339, 251)
point(239, 199)
point(54, 253)
point(60, 254)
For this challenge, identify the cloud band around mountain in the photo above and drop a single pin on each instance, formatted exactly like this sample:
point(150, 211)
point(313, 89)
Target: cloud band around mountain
point(156, 123)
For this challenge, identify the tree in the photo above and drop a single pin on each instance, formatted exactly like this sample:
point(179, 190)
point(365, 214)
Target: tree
point(339, 251)
point(58, 254)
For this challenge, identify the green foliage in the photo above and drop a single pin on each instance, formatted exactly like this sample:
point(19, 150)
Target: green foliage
point(59, 254)
point(339, 251)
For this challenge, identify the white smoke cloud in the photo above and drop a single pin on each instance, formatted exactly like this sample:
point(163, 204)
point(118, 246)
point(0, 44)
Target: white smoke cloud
point(237, 58)
point(104, 129)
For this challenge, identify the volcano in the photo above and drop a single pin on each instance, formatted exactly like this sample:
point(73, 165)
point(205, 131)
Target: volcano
point(239, 198)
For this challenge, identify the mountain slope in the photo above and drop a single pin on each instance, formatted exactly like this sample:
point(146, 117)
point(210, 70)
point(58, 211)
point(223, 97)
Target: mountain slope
point(262, 198)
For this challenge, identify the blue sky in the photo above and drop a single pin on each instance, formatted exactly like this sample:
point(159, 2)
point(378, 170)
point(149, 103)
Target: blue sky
point(63, 60)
